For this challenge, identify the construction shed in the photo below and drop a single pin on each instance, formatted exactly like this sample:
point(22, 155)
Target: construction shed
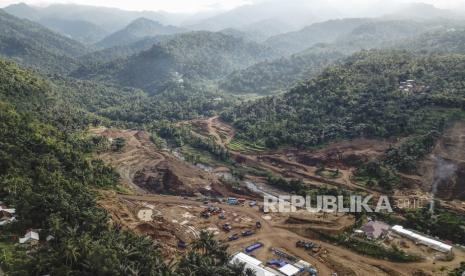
point(289, 270)
point(375, 229)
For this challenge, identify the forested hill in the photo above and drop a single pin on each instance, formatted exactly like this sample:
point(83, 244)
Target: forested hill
point(124, 51)
point(450, 40)
point(33, 45)
point(360, 97)
point(380, 34)
point(138, 29)
point(45, 174)
point(40, 98)
point(194, 56)
point(281, 74)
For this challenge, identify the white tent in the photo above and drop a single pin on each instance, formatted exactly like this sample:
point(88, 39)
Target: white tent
point(253, 264)
point(440, 246)
point(289, 270)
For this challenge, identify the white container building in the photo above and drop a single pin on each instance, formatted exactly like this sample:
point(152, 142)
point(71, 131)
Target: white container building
point(432, 243)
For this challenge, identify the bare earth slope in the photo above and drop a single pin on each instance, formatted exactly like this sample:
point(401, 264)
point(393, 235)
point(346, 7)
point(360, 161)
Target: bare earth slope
point(148, 169)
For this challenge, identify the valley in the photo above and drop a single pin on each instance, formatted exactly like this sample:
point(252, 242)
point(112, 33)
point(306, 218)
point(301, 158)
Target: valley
point(149, 142)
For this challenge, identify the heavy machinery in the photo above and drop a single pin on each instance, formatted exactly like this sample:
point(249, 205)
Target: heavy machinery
point(305, 245)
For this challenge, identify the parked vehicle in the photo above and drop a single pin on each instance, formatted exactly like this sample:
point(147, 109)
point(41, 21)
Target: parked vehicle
point(258, 225)
point(232, 201)
point(227, 227)
point(247, 233)
point(233, 237)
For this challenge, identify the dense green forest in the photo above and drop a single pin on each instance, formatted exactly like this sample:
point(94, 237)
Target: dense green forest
point(358, 98)
point(191, 56)
point(278, 75)
point(449, 40)
point(134, 107)
point(121, 51)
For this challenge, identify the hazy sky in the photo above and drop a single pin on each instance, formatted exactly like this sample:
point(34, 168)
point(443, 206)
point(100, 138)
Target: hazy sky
point(191, 6)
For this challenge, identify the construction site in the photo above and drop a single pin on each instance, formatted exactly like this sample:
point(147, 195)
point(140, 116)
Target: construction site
point(172, 201)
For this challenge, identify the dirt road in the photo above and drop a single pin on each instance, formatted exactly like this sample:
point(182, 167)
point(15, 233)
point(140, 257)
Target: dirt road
point(223, 133)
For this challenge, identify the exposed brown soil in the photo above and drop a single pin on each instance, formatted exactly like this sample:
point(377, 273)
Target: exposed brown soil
point(344, 154)
point(148, 169)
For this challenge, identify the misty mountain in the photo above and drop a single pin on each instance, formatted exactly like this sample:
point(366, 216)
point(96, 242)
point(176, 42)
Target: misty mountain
point(380, 34)
point(82, 31)
point(324, 32)
point(194, 56)
point(33, 45)
point(109, 19)
point(281, 74)
point(295, 14)
point(262, 30)
point(422, 11)
point(259, 31)
point(138, 29)
point(24, 11)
